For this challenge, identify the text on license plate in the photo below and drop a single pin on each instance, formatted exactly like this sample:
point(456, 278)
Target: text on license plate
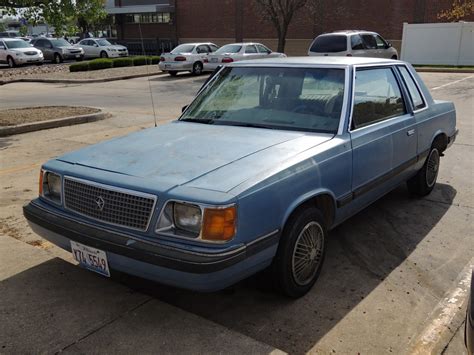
point(213, 60)
point(90, 258)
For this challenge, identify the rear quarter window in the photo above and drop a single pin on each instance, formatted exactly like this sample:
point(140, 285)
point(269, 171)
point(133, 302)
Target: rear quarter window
point(329, 44)
point(415, 95)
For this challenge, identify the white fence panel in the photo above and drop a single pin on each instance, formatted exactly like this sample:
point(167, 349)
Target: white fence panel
point(438, 43)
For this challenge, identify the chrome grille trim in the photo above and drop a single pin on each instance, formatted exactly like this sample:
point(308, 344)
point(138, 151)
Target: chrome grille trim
point(128, 208)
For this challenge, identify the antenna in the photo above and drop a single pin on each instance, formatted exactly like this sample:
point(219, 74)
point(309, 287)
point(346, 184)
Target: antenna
point(147, 71)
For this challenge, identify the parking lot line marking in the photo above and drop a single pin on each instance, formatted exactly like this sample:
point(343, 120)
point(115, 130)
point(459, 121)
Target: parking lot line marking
point(452, 82)
point(444, 313)
point(19, 168)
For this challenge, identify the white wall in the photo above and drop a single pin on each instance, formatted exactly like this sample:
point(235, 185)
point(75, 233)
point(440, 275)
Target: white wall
point(438, 43)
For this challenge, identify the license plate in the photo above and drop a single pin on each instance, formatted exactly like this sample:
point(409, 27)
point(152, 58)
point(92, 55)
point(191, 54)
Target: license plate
point(90, 258)
point(213, 60)
point(78, 56)
point(167, 66)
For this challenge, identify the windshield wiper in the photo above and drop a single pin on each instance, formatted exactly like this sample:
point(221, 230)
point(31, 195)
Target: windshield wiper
point(244, 124)
point(198, 120)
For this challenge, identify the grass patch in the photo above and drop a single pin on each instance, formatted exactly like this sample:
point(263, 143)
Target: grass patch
point(122, 62)
point(444, 66)
point(81, 66)
point(97, 64)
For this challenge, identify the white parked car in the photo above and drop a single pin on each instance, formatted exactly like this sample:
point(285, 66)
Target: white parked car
point(186, 57)
point(101, 48)
point(352, 44)
point(238, 51)
point(15, 51)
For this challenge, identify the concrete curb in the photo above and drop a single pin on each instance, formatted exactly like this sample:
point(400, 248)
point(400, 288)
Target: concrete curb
point(59, 122)
point(443, 70)
point(76, 81)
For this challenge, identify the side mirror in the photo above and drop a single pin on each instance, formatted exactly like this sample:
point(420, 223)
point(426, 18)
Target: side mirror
point(389, 45)
point(184, 108)
point(96, 45)
point(2, 47)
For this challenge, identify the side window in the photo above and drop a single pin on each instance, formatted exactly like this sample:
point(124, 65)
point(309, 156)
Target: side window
point(250, 49)
point(415, 94)
point(356, 42)
point(202, 49)
point(263, 49)
point(377, 97)
point(84, 42)
point(369, 41)
point(381, 44)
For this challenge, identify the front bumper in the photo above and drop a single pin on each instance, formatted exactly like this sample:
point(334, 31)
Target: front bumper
point(211, 66)
point(73, 55)
point(176, 66)
point(202, 271)
point(26, 59)
point(117, 54)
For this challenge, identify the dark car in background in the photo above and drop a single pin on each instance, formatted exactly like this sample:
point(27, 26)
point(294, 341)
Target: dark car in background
point(57, 49)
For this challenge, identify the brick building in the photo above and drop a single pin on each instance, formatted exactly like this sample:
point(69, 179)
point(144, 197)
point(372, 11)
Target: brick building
point(224, 21)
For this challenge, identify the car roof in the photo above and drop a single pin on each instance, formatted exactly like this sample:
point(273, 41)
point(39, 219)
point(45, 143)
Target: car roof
point(10, 39)
point(315, 61)
point(242, 43)
point(347, 32)
point(195, 43)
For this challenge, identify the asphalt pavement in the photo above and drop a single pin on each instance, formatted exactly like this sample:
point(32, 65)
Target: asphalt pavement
point(389, 274)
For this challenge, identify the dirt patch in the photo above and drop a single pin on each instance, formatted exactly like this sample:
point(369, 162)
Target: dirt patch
point(18, 116)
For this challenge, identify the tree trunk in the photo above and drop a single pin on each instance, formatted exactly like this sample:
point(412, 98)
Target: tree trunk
point(282, 39)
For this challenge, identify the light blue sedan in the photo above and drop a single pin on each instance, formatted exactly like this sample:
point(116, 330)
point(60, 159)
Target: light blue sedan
point(269, 157)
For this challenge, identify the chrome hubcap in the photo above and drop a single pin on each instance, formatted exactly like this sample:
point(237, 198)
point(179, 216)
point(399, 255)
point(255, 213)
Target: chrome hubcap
point(432, 168)
point(307, 253)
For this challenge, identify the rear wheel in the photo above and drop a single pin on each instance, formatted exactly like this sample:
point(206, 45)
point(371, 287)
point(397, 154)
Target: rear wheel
point(300, 254)
point(197, 68)
point(11, 63)
point(172, 73)
point(424, 181)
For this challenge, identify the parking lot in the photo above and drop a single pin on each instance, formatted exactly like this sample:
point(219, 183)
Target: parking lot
point(390, 276)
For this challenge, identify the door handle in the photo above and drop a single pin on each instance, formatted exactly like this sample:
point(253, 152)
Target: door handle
point(410, 132)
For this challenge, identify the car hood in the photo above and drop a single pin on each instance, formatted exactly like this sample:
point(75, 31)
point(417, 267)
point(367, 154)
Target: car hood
point(28, 49)
point(116, 46)
point(196, 155)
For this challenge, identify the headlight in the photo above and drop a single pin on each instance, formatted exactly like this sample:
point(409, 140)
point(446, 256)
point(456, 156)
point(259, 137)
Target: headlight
point(112, 49)
point(18, 53)
point(50, 186)
point(206, 223)
point(187, 217)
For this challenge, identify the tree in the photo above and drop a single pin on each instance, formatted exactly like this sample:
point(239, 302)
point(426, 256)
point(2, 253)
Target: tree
point(459, 10)
point(91, 15)
point(280, 13)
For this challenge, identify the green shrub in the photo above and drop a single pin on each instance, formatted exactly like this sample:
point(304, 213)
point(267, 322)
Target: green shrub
point(97, 64)
point(82, 66)
point(122, 62)
point(139, 61)
point(155, 59)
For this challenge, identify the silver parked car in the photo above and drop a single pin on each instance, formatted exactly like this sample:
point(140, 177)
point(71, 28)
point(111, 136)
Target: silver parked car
point(238, 51)
point(186, 57)
point(15, 52)
point(57, 49)
point(101, 48)
point(352, 44)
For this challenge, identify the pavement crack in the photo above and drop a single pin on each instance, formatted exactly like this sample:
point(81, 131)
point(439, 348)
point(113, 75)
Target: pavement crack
point(452, 337)
point(110, 321)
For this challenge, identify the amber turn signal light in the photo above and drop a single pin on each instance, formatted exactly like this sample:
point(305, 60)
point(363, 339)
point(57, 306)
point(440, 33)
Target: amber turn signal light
point(40, 187)
point(219, 224)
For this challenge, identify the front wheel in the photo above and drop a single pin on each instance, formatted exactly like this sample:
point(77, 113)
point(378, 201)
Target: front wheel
point(57, 59)
point(11, 63)
point(173, 73)
point(424, 181)
point(300, 254)
point(104, 54)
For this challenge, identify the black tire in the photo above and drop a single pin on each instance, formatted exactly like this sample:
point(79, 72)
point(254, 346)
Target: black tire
point(425, 180)
point(11, 62)
point(173, 73)
point(197, 68)
point(104, 54)
point(57, 58)
point(394, 57)
point(292, 255)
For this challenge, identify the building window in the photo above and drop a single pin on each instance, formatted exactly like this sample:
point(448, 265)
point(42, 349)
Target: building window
point(159, 17)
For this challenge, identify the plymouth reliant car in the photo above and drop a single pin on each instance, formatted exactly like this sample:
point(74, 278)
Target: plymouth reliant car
point(269, 156)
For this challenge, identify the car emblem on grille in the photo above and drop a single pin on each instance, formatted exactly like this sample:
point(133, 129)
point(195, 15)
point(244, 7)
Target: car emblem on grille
point(100, 203)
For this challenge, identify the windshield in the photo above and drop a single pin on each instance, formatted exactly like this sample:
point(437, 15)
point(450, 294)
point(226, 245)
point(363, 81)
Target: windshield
point(229, 48)
point(17, 44)
point(329, 44)
point(307, 99)
point(103, 42)
point(183, 48)
point(60, 43)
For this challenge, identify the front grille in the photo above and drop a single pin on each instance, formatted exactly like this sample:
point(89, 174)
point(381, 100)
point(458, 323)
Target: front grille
point(122, 50)
point(74, 51)
point(115, 206)
point(31, 53)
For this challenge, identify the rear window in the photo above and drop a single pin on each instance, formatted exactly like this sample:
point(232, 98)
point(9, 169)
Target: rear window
point(329, 44)
point(183, 48)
